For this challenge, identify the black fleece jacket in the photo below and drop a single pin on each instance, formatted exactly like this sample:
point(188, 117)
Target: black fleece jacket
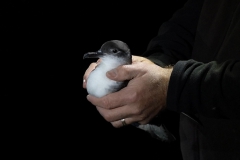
point(202, 42)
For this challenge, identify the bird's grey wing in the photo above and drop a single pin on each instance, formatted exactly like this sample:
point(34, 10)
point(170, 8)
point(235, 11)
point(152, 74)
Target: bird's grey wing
point(159, 132)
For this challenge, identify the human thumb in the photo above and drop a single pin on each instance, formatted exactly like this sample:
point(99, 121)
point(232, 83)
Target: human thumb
point(112, 74)
point(120, 73)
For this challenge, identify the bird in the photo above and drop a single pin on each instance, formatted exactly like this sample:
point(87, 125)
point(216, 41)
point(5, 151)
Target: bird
point(114, 53)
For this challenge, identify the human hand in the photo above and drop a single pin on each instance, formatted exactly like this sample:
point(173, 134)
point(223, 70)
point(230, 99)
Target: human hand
point(141, 100)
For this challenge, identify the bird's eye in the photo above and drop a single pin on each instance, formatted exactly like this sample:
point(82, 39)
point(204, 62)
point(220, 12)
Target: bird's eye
point(114, 50)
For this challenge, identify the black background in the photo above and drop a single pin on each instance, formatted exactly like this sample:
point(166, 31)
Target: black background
point(46, 108)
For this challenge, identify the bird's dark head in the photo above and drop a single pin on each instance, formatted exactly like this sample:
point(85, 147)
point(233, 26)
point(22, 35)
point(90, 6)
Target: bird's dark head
point(114, 48)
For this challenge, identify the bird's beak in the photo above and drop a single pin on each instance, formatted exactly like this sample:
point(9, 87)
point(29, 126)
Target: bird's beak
point(97, 54)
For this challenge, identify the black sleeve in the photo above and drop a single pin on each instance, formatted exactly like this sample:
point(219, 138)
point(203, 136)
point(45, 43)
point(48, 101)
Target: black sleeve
point(211, 89)
point(174, 42)
point(175, 37)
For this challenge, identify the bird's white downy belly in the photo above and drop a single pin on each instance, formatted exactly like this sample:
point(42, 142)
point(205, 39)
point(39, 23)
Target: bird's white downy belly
point(100, 85)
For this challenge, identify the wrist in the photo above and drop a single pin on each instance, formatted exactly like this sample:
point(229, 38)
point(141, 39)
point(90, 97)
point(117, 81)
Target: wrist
point(167, 74)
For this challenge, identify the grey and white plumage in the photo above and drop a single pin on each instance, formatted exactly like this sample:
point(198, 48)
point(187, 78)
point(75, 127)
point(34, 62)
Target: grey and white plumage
point(113, 54)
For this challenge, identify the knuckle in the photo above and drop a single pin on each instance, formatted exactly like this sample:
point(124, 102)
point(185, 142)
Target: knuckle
point(133, 96)
point(108, 117)
point(138, 112)
point(106, 103)
point(141, 119)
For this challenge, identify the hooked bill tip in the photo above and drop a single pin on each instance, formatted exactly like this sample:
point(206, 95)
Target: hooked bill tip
point(93, 54)
point(89, 55)
point(85, 55)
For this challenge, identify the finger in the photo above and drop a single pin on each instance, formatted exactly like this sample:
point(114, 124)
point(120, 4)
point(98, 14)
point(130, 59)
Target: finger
point(125, 112)
point(121, 73)
point(115, 114)
point(125, 122)
point(98, 61)
point(128, 72)
point(121, 123)
point(133, 119)
point(113, 100)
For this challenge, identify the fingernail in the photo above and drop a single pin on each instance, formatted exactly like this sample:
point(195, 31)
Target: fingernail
point(112, 73)
point(84, 80)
